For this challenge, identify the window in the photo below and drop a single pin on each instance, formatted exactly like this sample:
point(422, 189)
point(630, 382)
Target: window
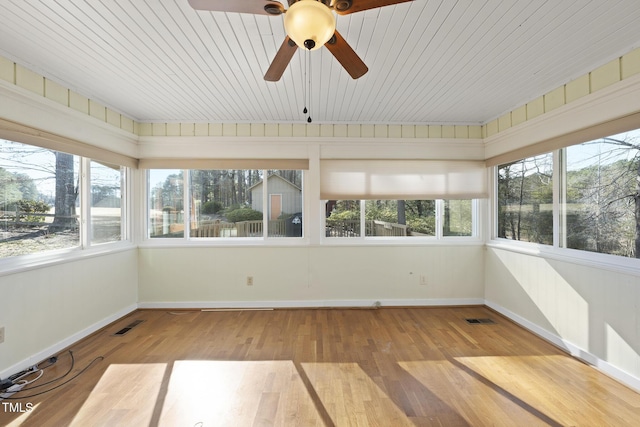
point(399, 218)
point(597, 207)
point(41, 200)
point(457, 218)
point(401, 198)
point(225, 203)
point(107, 188)
point(284, 197)
point(343, 218)
point(525, 200)
point(601, 203)
point(166, 203)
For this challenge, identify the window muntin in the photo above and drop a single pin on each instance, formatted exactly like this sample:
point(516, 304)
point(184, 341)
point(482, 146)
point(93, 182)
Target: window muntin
point(107, 202)
point(601, 204)
point(399, 218)
point(525, 200)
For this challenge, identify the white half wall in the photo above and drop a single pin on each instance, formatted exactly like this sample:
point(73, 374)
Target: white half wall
point(46, 309)
point(316, 276)
point(591, 312)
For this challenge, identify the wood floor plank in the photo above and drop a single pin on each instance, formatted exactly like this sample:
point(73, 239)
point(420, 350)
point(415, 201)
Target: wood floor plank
point(322, 367)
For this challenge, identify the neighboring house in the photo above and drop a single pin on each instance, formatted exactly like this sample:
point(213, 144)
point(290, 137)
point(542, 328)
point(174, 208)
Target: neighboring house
point(284, 197)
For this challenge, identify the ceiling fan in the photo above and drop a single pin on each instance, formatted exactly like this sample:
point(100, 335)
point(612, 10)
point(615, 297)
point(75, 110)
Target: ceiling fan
point(310, 24)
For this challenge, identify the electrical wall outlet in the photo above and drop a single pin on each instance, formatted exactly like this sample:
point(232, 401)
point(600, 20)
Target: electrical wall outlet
point(423, 280)
point(1, 334)
point(249, 280)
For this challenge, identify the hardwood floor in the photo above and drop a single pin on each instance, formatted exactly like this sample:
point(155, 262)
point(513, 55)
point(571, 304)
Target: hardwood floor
point(317, 367)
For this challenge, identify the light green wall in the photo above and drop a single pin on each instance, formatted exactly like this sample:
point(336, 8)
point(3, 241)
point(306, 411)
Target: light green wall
point(310, 276)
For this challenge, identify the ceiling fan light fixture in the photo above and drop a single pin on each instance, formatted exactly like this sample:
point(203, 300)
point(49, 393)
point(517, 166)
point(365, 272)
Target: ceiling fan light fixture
point(309, 23)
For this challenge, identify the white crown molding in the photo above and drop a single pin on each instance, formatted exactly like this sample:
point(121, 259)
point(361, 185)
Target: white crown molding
point(37, 112)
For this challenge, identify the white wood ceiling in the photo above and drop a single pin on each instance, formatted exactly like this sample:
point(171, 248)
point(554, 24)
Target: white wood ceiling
point(430, 61)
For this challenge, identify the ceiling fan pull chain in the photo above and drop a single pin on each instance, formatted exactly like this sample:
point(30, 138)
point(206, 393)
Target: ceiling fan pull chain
point(310, 69)
point(304, 82)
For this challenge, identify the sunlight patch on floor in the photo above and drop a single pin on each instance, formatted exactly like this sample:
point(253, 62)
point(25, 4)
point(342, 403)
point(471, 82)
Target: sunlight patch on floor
point(237, 393)
point(351, 397)
point(124, 392)
point(542, 381)
point(471, 396)
point(527, 390)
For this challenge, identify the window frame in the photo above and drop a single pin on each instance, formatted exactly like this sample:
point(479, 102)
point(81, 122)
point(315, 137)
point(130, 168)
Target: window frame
point(438, 238)
point(84, 249)
point(557, 250)
point(188, 241)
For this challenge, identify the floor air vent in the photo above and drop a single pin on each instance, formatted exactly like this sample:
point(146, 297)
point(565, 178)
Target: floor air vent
point(480, 321)
point(128, 328)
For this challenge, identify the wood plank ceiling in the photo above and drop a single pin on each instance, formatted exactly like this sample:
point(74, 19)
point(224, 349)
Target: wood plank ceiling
point(430, 61)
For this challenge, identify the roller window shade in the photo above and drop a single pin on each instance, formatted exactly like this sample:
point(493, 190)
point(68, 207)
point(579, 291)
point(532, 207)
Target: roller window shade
point(221, 164)
point(402, 179)
point(26, 135)
point(591, 133)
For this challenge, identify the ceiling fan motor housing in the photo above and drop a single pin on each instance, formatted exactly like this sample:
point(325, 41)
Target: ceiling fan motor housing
point(309, 23)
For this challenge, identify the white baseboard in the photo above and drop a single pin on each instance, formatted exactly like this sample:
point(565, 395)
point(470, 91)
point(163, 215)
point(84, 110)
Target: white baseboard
point(577, 352)
point(70, 340)
point(312, 303)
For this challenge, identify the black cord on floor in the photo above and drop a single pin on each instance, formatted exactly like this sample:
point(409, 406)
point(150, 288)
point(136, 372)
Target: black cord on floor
point(73, 362)
point(59, 385)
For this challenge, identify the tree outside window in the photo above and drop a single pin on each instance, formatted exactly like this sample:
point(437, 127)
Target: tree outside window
point(602, 198)
point(39, 199)
point(525, 200)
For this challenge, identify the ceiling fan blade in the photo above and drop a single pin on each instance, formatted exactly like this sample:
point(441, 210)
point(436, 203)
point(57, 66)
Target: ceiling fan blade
point(346, 56)
point(257, 7)
point(344, 7)
point(281, 60)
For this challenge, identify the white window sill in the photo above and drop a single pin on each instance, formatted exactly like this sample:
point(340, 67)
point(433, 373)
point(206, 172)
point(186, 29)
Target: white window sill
point(614, 263)
point(21, 263)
